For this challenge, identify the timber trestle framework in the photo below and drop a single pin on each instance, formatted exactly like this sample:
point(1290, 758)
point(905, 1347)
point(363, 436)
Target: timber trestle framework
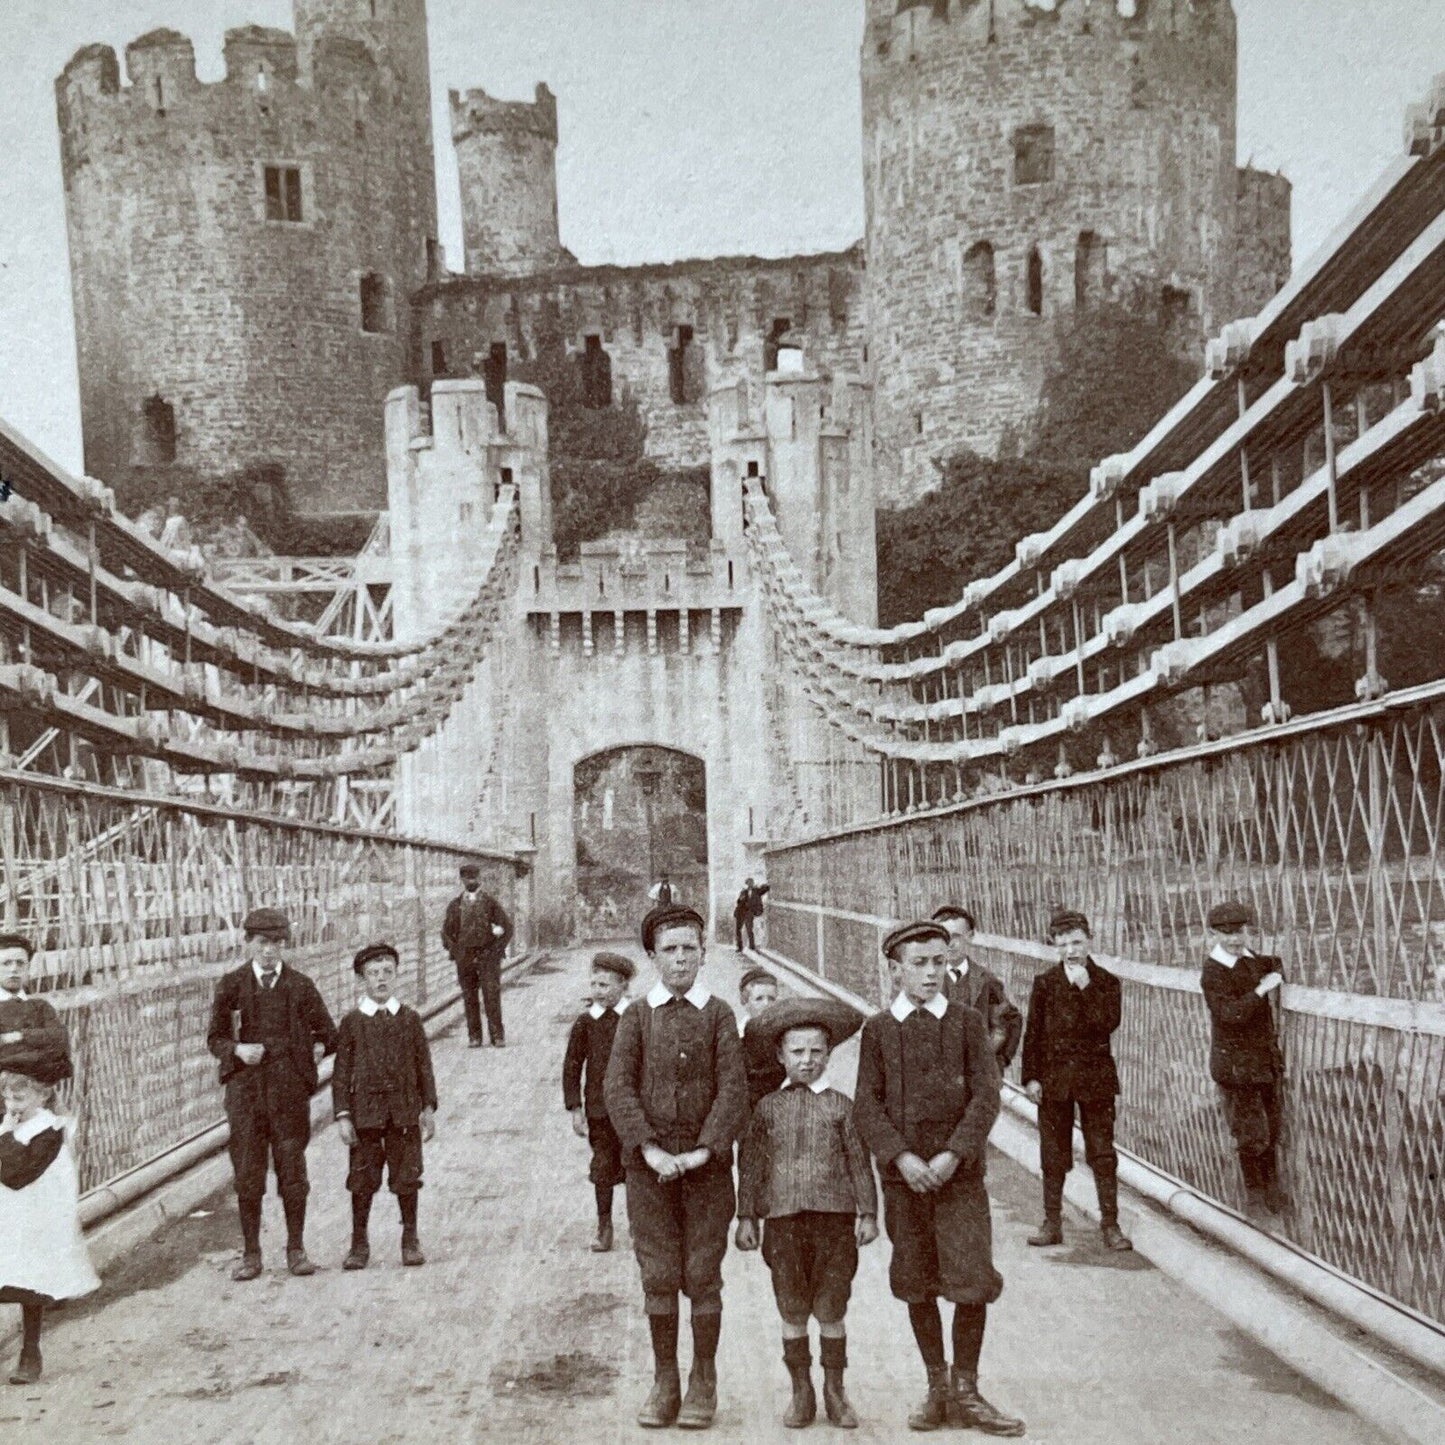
point(1022, 763)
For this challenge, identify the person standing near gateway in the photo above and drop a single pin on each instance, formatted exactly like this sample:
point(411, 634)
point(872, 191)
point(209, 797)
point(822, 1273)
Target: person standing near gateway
point(746, 912)
point(270, 1029)
point(475, 934)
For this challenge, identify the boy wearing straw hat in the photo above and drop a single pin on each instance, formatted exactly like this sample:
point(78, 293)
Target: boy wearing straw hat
point(805, 1174)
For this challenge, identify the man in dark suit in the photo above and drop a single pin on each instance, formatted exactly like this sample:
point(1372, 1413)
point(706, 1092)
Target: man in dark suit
point(746, 912)
point(270, 1029)
point(1245, 1060)
point(475, 934)
point(972, 985)
point(29, 1026)
point(1068, 1066)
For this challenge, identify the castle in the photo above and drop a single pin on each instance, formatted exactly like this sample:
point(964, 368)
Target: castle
point(255, 262)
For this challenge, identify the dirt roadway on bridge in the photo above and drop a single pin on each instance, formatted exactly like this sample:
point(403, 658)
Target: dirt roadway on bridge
point(515, 1332)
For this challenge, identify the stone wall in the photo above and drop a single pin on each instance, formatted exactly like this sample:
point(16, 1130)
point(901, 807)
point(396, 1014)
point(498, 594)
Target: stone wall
point(1263, 254)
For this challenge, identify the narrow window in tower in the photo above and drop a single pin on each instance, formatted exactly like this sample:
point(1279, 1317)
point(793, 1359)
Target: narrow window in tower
point(684, 368)
point(596, 375)
point(438, 358)
point(263, 81)
point(494, 374)
point(779, 329)
point(156, 442)
point(1033, 155)
point(1175, 304)
point(283, 193)
point(1090, 269)
point(376, 308)
point(159, 90)
point(1036, 282)
point(980, 293)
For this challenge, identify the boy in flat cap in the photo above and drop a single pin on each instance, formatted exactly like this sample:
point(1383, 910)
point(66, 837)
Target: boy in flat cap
point(1068, 1066)
point(677, 1095)
point(971, 984)
point(757, 992)
point(28, 1025)
point(384, 1096)
point(928, 1093)
point(1245, 1060)
point(805, 1174)
point(269, 1029)
point(475, 933)
point(584, 1071)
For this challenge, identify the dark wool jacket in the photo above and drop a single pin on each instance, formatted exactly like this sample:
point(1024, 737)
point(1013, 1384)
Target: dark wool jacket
point(44, 1034)
point(22, 1164)
point(383, 1072)
point(679, 1082)
point(1245, 1046)
point(584, 1066)
point(482, 940)
point(982, 991)
point(964, 1100)
point(233, 1021)
point(1066, 1039)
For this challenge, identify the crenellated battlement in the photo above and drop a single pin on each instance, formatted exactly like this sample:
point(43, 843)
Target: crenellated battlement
point(474, 113)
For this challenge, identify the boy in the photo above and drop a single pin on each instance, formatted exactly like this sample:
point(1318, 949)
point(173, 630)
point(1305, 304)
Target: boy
point(928, 1093)
point(589, 1046)
point(677, 1096)
point(1067, 1065)
point(385, 1099)
point(1245, 1060)
point(806, 1174)
point(758, 991)
point(269, 1029)
point(972, 985)
point(27, 1025)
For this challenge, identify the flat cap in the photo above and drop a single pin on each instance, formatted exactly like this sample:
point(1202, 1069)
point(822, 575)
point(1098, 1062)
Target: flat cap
point(374, 950)
point(763, 1034)
point(671, 915)
point(45, 1063)
point(1231, 914)
point(267, 921)
point(617, 963)
point(950, 911)
point(17, 940)
point(470, 870)
point(920, 931)
point(1066, 920)
point(755, 975)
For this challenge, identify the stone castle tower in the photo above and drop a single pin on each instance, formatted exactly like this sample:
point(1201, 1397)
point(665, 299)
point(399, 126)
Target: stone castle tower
point(1025, 160)
point(243, 253)
point(507, 163)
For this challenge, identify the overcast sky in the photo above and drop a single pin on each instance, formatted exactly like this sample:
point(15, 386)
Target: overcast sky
point(688, 127)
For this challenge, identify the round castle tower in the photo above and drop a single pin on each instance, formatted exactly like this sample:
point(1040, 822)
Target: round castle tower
point(507, 163)
point(1023, 161)
point(243, 252)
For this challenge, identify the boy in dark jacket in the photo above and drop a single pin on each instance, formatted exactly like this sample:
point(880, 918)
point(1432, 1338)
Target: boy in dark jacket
point(972, 985)
point(269, 1028)
point(1244, 1056)
point(1068, 1066)
point(677, 1097)
point(385, 1098)
point(584, 1072)
point(927, 1095)
point(28, 1025)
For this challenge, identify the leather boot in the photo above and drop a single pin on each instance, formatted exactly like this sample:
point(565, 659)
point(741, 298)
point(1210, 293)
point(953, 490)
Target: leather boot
point(1051, 1231)
point(834, 1352)
point(661, 1407)
point(699, 1405)
point(27, 1367)
point(298, 1263)
point(359, 1255)
point(603, 1243)
point(248, 1269)
point(1107, 1186)
point(411, 1249)
point(803, 1408)
point(976, 1413)
point(932, 1414)
point(250, 1266)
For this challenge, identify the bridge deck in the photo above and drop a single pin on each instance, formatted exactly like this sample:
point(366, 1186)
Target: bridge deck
point(515, 1332)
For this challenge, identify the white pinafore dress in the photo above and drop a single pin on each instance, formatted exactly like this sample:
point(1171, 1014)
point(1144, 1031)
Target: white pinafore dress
point(41, 1245)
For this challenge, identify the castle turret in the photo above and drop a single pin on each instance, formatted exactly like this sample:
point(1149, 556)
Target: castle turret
point(1025, 160)
point(243, 252)
point(507, 163)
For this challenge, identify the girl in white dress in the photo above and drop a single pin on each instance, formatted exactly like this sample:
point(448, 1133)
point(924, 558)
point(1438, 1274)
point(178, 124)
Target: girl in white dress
point(42, 1252)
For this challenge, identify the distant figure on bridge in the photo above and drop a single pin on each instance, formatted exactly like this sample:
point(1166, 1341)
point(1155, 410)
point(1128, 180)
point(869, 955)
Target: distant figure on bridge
point(677, 1095)
point(584, 1073)
point(384, 1096)
point(1068, 1066)
point(805, 1175)
point(758, 991)
point(43, 1257)
point(927, 1095)
point(662, 892)
point(27, 1024)
point(270, 1029)
point(747, 910)
point(1245, 1059)
point(974, 986)
point(475, 934)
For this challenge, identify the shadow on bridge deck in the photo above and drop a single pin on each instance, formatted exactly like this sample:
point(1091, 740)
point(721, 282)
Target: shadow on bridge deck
point(515, 1332)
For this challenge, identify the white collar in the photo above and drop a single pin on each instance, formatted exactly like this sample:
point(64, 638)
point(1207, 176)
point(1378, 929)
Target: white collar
point(959, 969)
point(818, 1086)
point(261, 977)
point(903, 1006)
point(660, 994)
point(371, 1008)
point(37, 1123)
point(619, 1008)
point(1221, 955)
point(7, 997)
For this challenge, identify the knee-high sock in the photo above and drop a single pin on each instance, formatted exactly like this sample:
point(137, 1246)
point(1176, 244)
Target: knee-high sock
point(968, 1323)
point(407, 1204)
point(360, 1213)
point(250, 1225)
point(706, 1331)
point(604, 1202)
point(664, 1342)
point(295, 1207)
point(31, 1315)
point(927, 1325)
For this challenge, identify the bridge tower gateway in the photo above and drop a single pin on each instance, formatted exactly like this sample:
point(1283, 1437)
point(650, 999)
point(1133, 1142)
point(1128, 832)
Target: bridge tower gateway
point(1025, 160)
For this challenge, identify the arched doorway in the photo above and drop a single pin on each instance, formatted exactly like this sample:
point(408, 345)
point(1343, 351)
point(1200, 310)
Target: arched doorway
point(637, 812)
